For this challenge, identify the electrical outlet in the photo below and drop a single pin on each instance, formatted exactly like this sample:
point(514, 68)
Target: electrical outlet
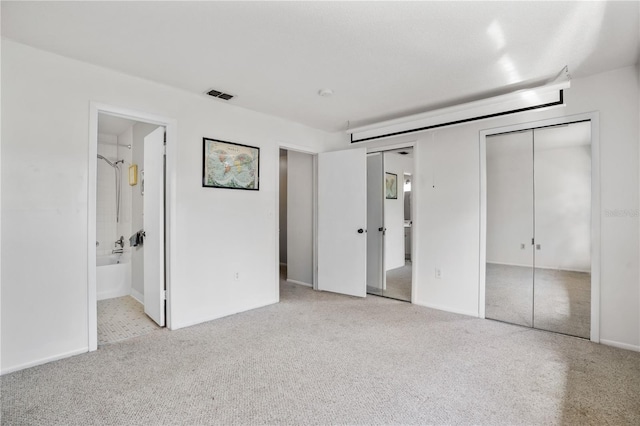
point(438, 273)
point(237, 276)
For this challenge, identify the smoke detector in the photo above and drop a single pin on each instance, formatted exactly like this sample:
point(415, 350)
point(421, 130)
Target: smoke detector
point(220, 95)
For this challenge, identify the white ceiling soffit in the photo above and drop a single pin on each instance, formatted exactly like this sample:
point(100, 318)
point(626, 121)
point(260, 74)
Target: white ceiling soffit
point(550, 95)
point(382, 60)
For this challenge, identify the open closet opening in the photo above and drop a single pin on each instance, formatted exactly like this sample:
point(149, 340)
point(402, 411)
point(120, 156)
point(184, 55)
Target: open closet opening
point(296, 216)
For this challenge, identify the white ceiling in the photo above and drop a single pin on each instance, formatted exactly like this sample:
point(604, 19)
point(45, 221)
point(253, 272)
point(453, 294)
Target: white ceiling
point(112, 125)
point(381, 59)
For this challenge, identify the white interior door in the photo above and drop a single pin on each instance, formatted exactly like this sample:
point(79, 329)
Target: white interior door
point(342, 222)
point(153, 211)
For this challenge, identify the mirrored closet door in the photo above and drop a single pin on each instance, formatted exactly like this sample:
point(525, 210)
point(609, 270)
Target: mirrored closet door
point(538, 271)
point(389, 223)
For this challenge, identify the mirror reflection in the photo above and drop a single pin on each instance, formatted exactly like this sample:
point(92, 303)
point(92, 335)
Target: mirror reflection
point(538, 271)
point(389, 223)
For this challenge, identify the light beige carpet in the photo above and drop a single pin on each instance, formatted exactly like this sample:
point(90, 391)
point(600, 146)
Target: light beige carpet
point(322, 358)
point(122, 318)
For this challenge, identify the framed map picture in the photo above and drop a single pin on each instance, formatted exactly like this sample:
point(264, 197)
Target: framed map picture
point(230, 165)
point(391, 186)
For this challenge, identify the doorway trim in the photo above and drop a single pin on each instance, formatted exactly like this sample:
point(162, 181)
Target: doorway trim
point(170, 125)
point(594, 119)
point(314, 210)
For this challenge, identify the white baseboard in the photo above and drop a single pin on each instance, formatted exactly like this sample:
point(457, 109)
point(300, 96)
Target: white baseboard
point(620, 345)
point(299, 283)
point(137, 295)
point(113, 293)
point(44, 360)
point(447, 309)
point(176, 325)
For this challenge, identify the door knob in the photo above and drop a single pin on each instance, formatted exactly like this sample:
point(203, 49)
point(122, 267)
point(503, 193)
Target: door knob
point(381, 229)
point(360, 231)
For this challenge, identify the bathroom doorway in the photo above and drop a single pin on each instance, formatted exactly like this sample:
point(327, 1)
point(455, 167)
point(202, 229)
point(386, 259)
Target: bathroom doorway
point(129, 289)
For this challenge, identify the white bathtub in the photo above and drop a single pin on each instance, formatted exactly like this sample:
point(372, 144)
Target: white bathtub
point(113, 275)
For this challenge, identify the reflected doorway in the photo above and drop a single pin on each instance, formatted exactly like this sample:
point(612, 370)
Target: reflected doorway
point(389, 223)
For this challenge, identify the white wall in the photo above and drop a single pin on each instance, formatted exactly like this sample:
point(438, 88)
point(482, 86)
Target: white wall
point(447, 197)
point(510, 205)
point(126, 192)
point(563, 207)
point(44, 202)
point(106, 225)
point(394, 255)
point(558, 203)
point(300, 217)
point(1, 234)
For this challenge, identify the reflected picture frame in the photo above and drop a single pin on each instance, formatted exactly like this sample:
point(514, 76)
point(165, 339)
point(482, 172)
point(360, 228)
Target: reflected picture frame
point(390, 186)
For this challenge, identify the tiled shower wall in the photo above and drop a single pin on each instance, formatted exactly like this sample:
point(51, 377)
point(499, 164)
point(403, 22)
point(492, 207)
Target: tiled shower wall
point(108, 230)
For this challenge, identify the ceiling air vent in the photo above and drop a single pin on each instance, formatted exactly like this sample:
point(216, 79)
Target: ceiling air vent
point(219, 94)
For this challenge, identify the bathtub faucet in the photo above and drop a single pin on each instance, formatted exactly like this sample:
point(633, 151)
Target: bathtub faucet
point(120, 243)
point(117, 251)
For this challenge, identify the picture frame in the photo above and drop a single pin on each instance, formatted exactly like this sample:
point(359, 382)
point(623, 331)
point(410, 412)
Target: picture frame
point(391, 186)
point(230, 165)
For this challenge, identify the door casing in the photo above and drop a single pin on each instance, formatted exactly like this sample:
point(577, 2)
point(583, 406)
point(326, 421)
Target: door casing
point(170, 125)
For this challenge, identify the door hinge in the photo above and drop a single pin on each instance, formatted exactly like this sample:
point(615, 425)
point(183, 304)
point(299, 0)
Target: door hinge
point(164, 149)
point(164, 294)
point(533, 241)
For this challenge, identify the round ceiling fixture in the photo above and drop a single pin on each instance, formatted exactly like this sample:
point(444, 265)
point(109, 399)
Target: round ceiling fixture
point(325, 93)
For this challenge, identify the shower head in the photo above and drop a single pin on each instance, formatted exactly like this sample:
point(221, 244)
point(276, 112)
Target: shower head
point(114, 165)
